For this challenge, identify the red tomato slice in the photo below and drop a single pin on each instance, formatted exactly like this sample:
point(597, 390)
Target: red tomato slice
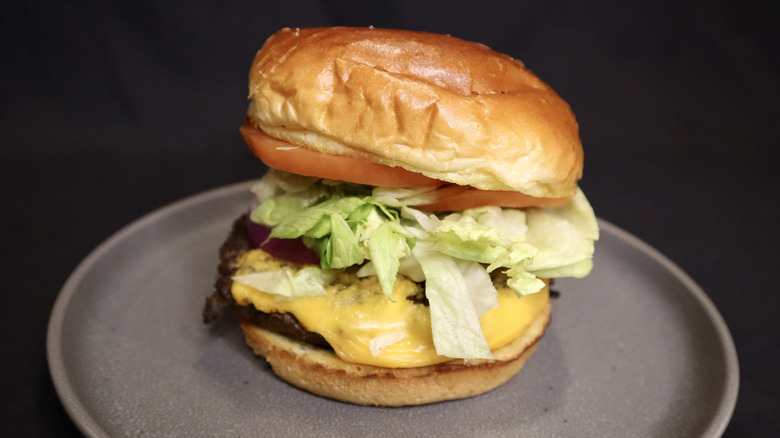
point(282, 155)
point(472, 198)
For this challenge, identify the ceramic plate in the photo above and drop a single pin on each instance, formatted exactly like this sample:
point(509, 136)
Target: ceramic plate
point(634, 349)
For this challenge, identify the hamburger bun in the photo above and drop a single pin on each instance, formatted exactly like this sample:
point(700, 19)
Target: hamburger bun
point(449, 109)
point(321, 372)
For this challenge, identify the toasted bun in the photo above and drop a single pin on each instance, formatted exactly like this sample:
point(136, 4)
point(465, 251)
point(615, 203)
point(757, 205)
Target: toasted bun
point(434, 104)
point(322, 372)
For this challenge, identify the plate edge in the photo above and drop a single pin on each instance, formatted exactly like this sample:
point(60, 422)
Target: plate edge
point(729, 401)
point(62, 385)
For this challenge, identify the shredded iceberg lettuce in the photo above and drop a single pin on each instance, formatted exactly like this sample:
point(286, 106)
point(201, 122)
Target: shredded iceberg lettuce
point(283, 283)
point(457, 332)
point(380, 230)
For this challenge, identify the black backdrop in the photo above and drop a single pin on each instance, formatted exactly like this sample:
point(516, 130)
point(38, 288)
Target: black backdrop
point(110, 111)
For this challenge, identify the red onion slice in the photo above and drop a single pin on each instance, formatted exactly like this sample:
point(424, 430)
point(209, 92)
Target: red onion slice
point(292, 250)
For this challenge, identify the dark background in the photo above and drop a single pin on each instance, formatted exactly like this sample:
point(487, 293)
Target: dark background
point(109, 112)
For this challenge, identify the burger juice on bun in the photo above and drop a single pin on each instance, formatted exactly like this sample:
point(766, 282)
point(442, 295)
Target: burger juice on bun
point(422, 192)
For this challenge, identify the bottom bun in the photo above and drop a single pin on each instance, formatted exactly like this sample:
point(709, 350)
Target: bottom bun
point(322, 372)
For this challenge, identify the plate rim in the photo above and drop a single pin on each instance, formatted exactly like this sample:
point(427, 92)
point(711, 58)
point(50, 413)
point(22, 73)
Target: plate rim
point(731, 390)
point(89, 426)
point(66, 392)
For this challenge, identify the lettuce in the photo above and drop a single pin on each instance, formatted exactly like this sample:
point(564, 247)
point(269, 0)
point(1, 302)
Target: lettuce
point(408, 266)
point(339, 221)
point(404, 196)
point(382, 247)
point(454, 321)
point(306, 282)
point(342, 248)
point(482, 292)
point(565, 238)
point(378, 229)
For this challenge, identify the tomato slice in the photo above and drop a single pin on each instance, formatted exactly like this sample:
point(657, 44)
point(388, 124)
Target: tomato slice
point(471, 198)
point(282, 155)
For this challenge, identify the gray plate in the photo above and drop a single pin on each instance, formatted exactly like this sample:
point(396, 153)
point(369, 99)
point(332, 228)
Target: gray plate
point(635, 349)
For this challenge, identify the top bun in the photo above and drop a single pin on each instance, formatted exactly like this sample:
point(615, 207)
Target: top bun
point(434, 104)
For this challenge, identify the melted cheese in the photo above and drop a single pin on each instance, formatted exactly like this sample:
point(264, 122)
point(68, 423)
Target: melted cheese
point(363, 326)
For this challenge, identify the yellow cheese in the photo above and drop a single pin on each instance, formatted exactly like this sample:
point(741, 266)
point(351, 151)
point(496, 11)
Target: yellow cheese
point(363, 326)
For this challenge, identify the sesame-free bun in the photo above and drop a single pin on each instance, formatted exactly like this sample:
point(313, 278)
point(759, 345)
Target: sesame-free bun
point(321, 372)
point(452, 110)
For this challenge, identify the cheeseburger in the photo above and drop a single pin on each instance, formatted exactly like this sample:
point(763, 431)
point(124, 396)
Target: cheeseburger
point(422, 193)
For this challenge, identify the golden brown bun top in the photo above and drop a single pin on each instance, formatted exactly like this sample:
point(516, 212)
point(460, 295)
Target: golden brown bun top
point(434, 104)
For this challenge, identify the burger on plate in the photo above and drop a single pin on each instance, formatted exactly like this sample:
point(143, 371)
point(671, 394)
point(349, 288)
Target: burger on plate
point(422, 192)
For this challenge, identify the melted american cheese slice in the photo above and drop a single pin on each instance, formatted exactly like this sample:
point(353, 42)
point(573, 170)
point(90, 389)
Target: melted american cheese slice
point(363, 326)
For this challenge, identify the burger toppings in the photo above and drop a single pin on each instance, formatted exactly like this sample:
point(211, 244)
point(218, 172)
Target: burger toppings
point(379, 231)
point(438, 195)
point(362, 326)
point(293, 250)
point(282, 155)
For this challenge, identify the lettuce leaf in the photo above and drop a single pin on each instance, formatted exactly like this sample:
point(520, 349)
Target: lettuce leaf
point(345, 229)
point(341, 248)
point(565, 238)
point(306, 282)
point(408, 266)
point(382, 247)
point(482, 292)
point(274, 183)
point(454, 321)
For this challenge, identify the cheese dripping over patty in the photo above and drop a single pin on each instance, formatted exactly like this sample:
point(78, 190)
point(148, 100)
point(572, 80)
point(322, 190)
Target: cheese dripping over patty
point(363, 326)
